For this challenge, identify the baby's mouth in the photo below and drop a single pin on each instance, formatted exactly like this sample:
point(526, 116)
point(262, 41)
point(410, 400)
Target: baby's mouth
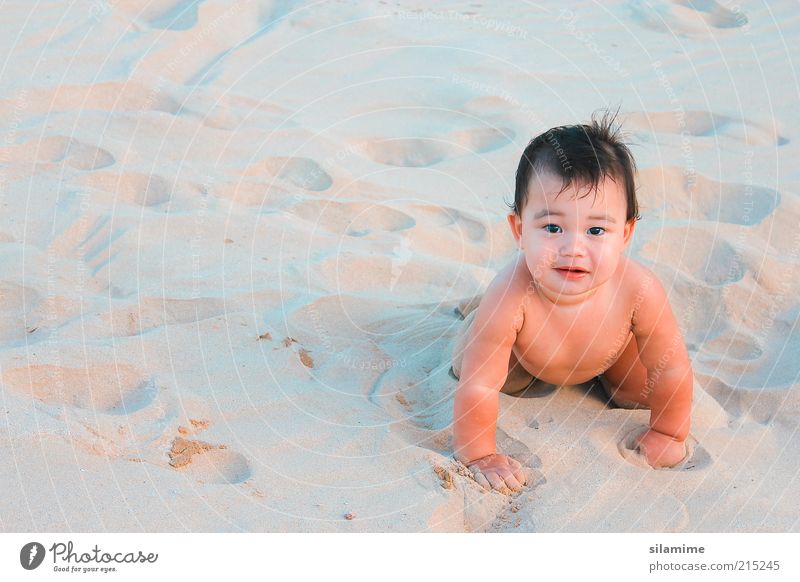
point(572, 273)
point(572, 269)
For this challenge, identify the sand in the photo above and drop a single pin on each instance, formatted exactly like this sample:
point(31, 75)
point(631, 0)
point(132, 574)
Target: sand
point(235, 237)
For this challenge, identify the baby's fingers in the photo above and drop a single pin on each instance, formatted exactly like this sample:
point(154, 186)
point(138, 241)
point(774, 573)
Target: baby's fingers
point(496, 481)
point(519, 475)
point(517, 471)
point(514, 464)
point(513, 483)
point(481, 479)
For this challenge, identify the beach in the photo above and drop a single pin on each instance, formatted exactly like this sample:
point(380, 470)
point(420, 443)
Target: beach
point(236, 236)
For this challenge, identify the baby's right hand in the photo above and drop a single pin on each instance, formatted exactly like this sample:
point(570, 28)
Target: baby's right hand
point(498, 471)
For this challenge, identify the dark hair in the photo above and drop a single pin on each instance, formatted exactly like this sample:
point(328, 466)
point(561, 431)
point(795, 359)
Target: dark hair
point(579, 154)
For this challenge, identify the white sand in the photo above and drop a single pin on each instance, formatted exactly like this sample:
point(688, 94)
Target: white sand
point(182, 178)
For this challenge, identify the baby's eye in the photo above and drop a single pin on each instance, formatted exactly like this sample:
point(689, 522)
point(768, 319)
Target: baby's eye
point(547, 228)
point(595, 228)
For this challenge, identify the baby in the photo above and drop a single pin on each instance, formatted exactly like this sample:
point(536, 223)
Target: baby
point(570, 306)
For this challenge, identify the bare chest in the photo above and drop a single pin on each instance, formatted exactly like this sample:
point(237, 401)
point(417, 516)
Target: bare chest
point(572, 345)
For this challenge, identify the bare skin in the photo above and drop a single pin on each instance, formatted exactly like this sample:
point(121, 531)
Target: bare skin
point(612, 321)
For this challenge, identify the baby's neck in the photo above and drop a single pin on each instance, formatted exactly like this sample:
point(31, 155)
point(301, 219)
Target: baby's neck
point(561, 300)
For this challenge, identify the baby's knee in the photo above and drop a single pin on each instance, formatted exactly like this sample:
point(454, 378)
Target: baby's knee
point(622, 399)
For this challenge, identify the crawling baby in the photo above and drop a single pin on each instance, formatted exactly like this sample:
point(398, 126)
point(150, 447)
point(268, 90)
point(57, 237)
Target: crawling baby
point(570, 307)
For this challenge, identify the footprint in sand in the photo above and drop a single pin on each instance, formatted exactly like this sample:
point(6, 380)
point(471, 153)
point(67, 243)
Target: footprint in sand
point(707, 124)
point(115, 96)
point(483, 140)
point(161, 14)
point(732, 345)
point(131, 187)
point(670, 192)
point(685, 17)
point(422, 152)
point(300, 172)
point(152, 313)
point(704, 255)
point(203, 34)
point(62, 149)
point(400, 268)
point(406, 152)
point(749, 400)
point(18, 313)
point(228, 111)
point(352, 218)
point(749, 307)
point(208, 463)
point(697, 458)
point(459, 221)
point(95, 239)
point(259, 194)
point(487, 105)
point(109, 389)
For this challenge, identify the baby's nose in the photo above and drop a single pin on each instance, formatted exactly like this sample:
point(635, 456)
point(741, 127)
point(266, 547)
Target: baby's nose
point(573, 246)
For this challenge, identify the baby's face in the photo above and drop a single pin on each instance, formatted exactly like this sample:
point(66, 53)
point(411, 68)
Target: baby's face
point(558, 233)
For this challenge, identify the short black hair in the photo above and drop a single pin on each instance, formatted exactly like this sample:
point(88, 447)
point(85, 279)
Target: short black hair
point(580, 155)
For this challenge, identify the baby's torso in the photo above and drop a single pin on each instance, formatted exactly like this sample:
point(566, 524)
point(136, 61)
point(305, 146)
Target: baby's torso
point(571, 346)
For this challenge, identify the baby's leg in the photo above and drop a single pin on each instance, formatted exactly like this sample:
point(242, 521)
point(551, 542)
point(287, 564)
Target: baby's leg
point(518, 377)
point(462, 339)
point(625, 381)
point(469, 305)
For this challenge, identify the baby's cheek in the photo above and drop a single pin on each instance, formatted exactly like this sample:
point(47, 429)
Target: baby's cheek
point(608, 260)
point(539, 261)
point(537, 269)
point(546, 259)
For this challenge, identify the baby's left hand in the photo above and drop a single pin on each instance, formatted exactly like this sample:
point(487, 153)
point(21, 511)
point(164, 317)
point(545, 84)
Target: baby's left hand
point(660, 450)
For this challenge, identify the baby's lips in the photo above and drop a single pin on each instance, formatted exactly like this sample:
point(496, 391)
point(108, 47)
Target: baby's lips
point(570, 269)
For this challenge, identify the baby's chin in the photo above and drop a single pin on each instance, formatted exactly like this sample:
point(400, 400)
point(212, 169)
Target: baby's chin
point(554, 284)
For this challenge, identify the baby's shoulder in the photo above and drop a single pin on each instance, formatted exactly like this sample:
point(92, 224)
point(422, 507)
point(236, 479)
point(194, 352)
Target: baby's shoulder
point(508, 290)
point(511, 281)
point(636, 280)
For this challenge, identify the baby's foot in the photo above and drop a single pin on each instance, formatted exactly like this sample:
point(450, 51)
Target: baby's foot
point(660, 450)
point(498, 471)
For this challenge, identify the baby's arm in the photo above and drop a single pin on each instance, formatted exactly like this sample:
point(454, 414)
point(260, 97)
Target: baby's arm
point(484, 370)
point(669, 377)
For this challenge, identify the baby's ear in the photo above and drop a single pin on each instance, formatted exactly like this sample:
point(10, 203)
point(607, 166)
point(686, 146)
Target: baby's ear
point(515, 222)
point(627, 233)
